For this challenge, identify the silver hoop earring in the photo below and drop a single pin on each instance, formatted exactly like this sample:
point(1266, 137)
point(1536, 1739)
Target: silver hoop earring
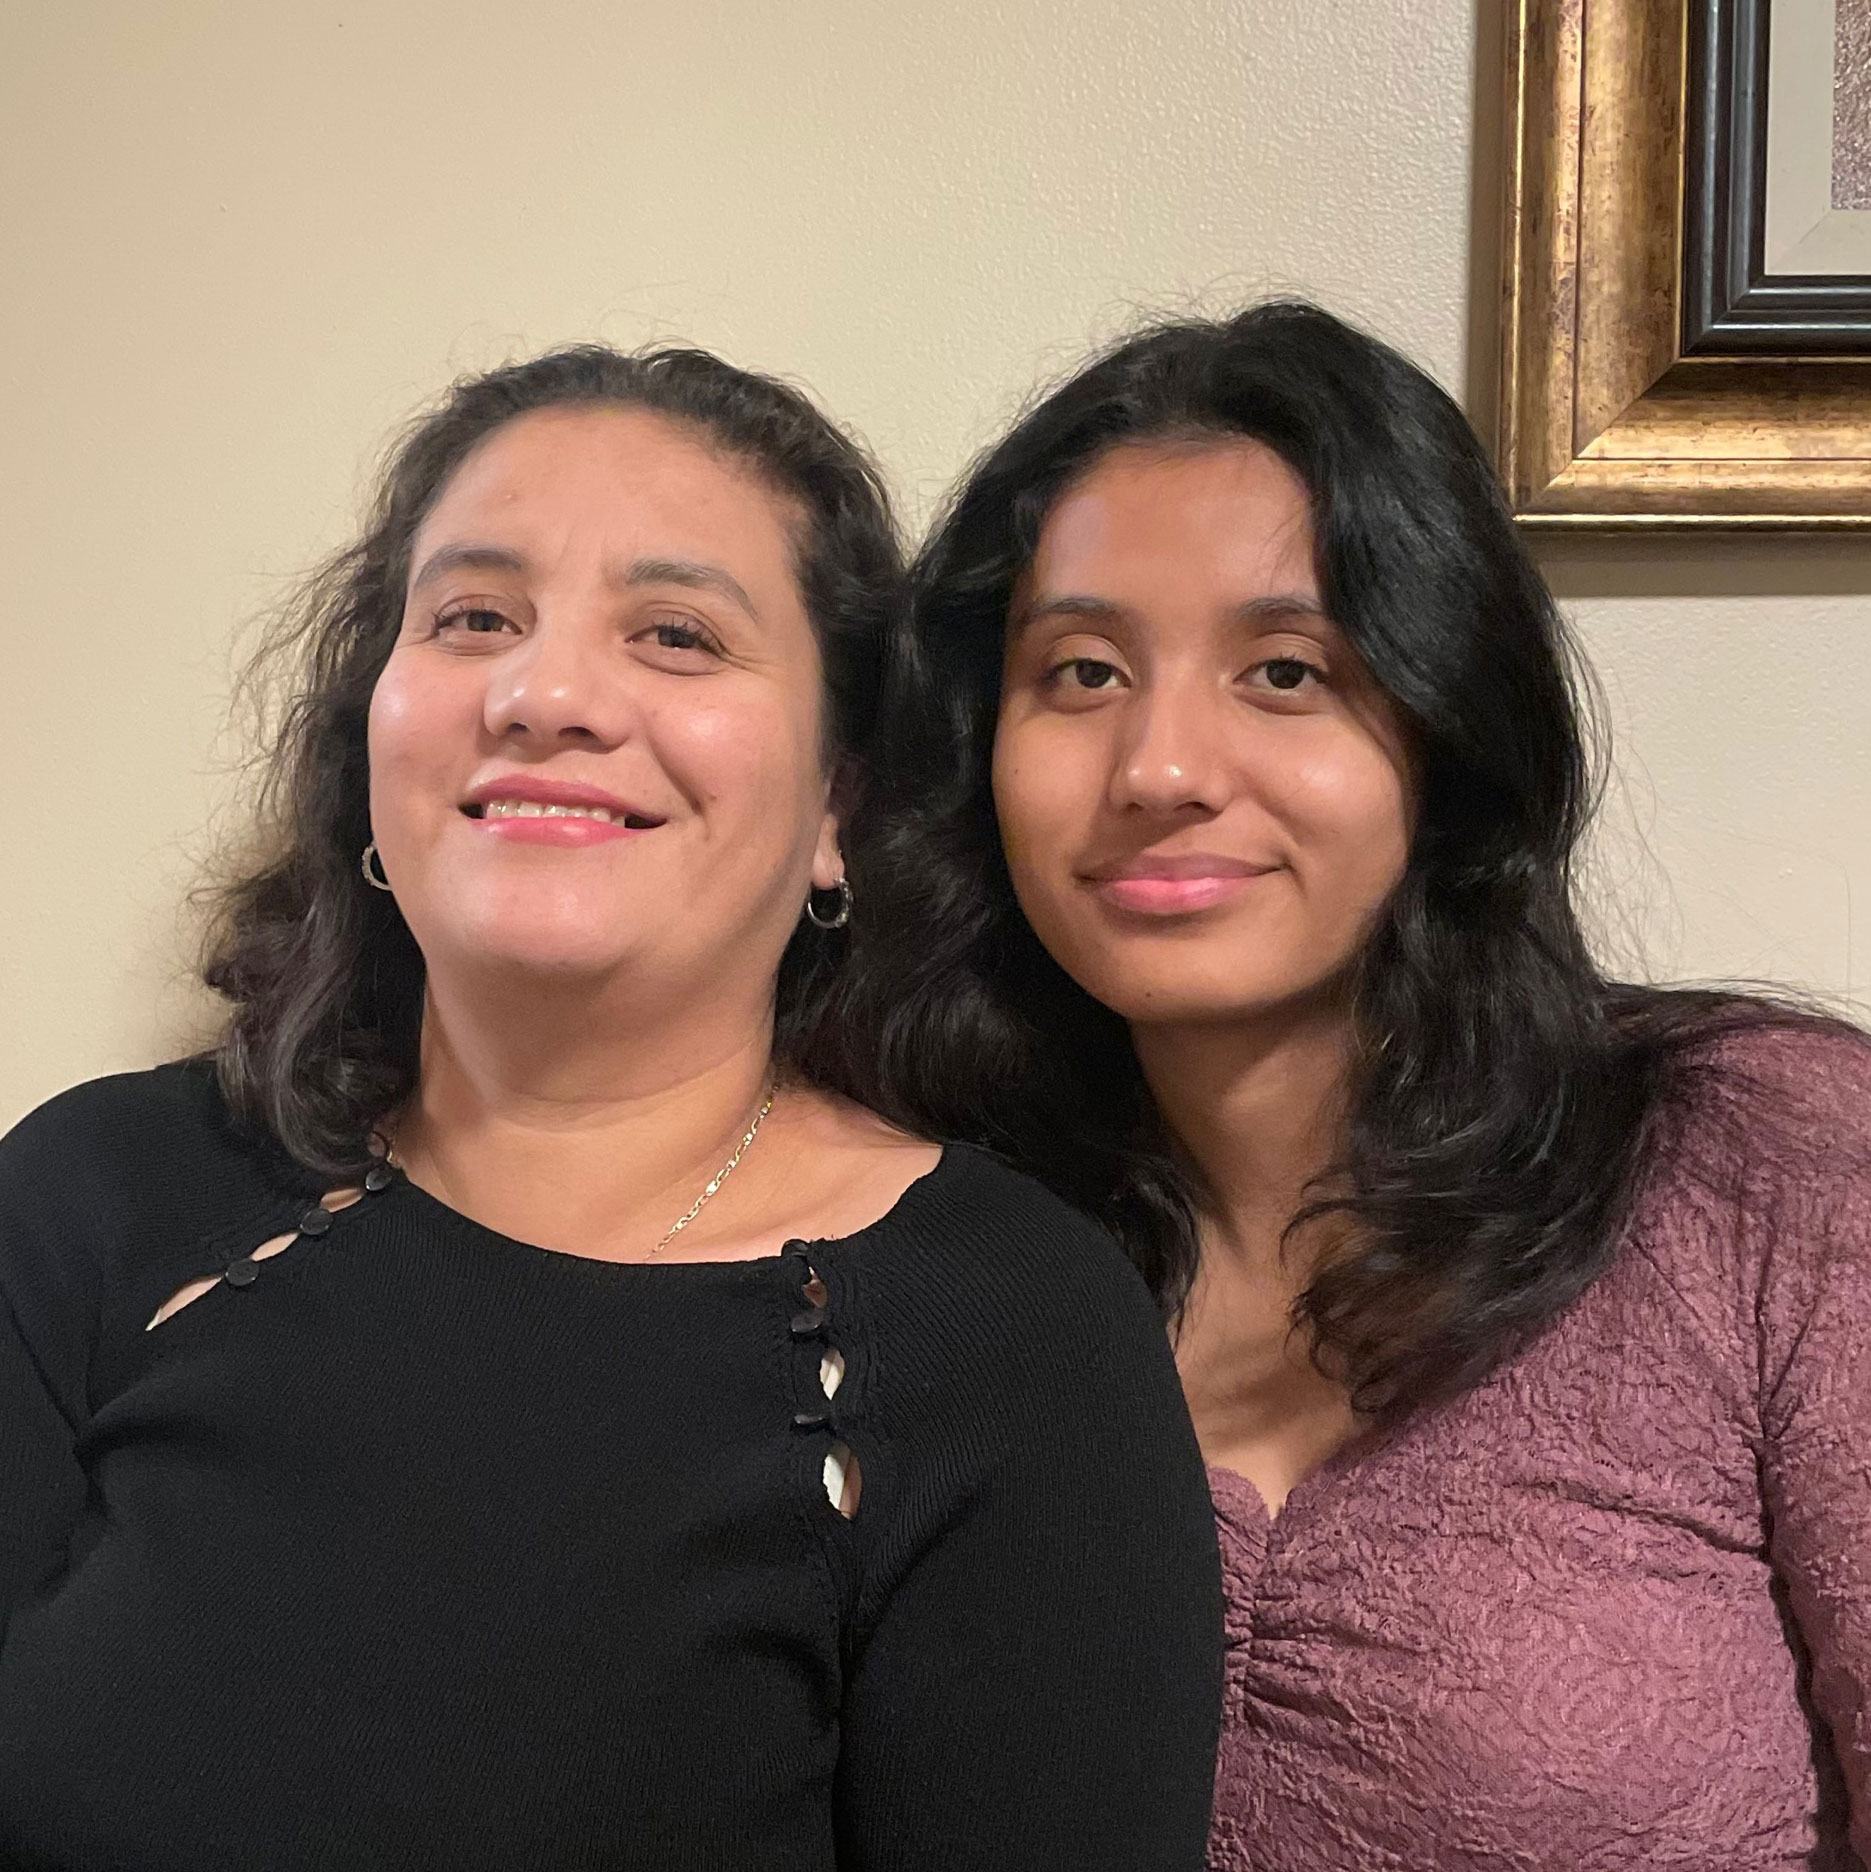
point(843, 888)
point(376, 879)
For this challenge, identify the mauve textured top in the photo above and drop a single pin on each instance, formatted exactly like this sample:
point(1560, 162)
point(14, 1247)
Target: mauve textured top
point(1612, 1609)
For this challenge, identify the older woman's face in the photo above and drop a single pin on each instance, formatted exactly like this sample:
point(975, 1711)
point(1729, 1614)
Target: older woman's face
point(596, 744)
point(1202, 793)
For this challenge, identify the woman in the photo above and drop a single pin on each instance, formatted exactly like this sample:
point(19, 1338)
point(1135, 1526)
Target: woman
point(511, 1408)
point(1525, 1316)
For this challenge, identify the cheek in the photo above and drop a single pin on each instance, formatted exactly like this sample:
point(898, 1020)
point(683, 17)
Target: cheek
point(1041, 794)
point(740, 757)
point(1350, 799)
point(408, 734)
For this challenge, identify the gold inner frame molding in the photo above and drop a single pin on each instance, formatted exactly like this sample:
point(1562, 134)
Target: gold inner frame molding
point(1604, 423)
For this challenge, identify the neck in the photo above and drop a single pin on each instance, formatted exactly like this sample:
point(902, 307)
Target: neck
point(541, 1112)
point(1257, 1105)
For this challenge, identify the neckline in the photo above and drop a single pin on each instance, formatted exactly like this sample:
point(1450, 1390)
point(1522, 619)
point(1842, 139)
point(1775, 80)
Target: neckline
point(1238, 1499)
point(916, 1195)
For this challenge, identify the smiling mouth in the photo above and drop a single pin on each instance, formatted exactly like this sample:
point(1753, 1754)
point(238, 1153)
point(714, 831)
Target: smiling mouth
point(1167, 896)
point(1174, 884)
point(534, 809)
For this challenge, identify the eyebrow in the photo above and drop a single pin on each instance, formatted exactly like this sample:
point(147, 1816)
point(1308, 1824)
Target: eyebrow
point(1106, 611)
point(468, 553)
point(1068, 605)
point(695, 574)
point(1282, 604)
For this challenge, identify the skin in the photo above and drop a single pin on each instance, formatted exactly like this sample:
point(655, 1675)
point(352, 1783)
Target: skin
point(600, 598)
point(1174, 698)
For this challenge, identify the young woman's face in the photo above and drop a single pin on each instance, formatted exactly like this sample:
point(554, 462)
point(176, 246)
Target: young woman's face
point(1203, 795)
point(596, 743)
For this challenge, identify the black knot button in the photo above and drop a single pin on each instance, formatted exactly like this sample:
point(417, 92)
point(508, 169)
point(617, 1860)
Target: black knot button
point(808, 1323)
point(810, 1420)
point(378, 1177)
point(315, 1221)
point(242, 1273)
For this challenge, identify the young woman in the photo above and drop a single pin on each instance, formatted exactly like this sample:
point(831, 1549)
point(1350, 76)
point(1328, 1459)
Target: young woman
point(1525, 1316)
point(510, 1408)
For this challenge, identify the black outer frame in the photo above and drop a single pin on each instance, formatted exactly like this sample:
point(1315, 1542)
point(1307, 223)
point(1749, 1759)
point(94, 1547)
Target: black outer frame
point(1730, 303)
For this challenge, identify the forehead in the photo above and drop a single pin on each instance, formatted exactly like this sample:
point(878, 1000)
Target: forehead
point(627, 476)
point(1230, 512)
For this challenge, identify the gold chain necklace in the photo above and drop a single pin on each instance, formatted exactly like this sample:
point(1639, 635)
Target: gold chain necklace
point(695, 1208)
point(721, 1175)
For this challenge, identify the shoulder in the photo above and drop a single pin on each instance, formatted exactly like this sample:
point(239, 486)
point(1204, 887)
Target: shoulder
point(983, 1231)
point(1823, 1065)
point(132, 1124)
point(152, 1156)
point(117, 1111)
point(1777, 1113)
point(1756, 1208)
point(984, 1286)
point(1013, 1363)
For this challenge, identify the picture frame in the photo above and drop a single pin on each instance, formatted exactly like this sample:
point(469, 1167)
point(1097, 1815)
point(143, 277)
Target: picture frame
point(1658, 369)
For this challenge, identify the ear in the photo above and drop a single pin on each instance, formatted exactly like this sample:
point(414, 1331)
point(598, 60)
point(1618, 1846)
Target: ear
point(828, 859)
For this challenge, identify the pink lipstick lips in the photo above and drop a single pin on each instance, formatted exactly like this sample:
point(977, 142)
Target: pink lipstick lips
point(528, 809)
point(1159, 884)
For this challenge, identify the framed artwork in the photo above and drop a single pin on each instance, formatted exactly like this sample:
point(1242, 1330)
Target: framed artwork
point(1686, 332)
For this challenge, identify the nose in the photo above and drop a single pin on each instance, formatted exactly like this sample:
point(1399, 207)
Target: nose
point(559, 688)
point(1172, 755)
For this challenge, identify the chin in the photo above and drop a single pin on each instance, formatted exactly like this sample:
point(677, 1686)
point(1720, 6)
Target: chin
point(1220, 997)
point(561, 961)
point(566, 962)
point(523, 941)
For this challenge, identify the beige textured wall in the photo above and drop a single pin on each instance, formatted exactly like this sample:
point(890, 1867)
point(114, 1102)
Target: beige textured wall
point(243, 240)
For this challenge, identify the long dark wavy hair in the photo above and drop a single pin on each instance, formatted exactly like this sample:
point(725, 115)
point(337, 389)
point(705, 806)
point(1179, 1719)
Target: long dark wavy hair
point(1505, 1092)
point(323, 979)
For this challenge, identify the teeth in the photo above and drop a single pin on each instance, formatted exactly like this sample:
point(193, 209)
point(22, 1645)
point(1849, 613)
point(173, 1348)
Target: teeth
point(531, 809)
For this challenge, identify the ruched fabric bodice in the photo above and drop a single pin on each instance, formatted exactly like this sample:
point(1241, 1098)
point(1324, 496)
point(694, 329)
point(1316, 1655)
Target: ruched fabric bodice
point(1612, 1609)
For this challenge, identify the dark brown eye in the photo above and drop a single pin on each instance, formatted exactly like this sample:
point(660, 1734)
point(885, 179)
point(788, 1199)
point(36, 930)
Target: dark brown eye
point(1287, 673)
point(476, 622)
point(679, 635)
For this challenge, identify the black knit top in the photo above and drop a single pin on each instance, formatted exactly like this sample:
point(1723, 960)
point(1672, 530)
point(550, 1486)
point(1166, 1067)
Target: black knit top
point(415, 1546)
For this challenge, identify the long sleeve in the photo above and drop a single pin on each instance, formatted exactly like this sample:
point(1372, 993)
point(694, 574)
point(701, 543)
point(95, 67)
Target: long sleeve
point(1816, 1418)
point(108, 1202)
point(41, 1486)
point(46, 1312)
point(1040, 1689)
